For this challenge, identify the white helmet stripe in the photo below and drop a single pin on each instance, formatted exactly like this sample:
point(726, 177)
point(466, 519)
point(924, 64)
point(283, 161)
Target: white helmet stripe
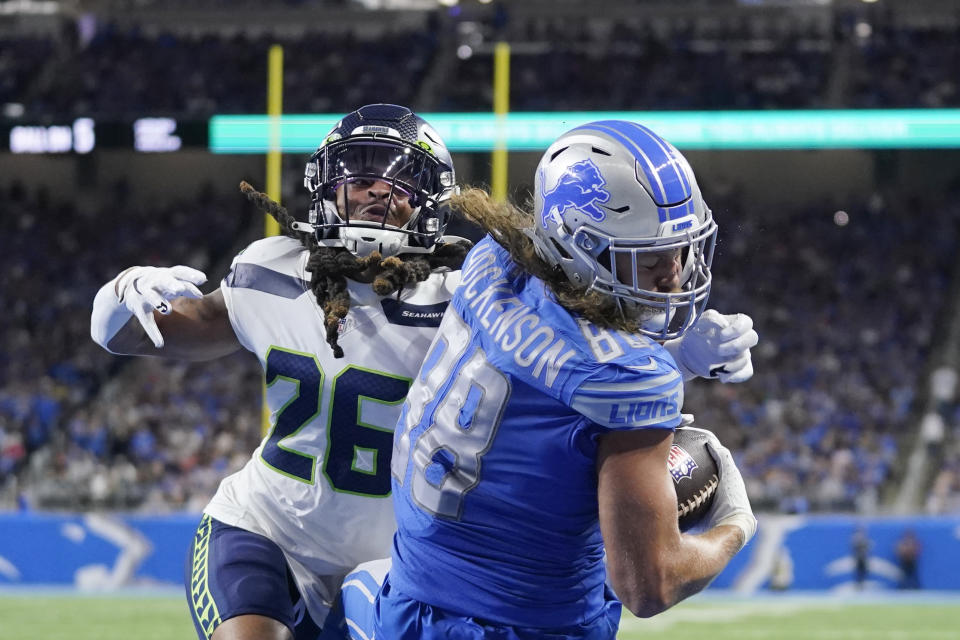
point(670, 153)
point(651, 170)
point(655, 153)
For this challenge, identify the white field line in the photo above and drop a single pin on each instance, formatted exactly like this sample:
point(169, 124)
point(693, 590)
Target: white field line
point(730, 612)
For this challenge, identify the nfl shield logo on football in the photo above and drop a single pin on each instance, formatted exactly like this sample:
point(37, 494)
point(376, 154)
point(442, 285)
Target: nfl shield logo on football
point(680, 463)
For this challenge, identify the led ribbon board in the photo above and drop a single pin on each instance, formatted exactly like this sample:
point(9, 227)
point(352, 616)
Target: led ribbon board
point(534, 131)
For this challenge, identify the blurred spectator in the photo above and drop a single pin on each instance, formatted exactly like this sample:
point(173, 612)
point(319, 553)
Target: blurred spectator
point(860, 550)
point(944, 496)
point(908, 556)
point(781, 576)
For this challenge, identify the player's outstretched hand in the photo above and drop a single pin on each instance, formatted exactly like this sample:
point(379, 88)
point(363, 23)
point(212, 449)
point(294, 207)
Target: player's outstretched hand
point(145, 289)
point(717, 346)
point(730, 505)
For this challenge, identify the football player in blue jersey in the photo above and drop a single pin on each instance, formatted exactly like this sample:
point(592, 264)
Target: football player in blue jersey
point(529, 460)
point(340, 311)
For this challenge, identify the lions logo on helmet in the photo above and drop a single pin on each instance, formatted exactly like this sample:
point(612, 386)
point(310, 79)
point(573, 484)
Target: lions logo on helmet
point(380, 144)
point(613, 189)
point(580, 187)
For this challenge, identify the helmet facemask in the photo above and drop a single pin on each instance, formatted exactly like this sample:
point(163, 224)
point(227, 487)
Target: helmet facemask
point(406, 180)
point(380, 182)
point(661, 315)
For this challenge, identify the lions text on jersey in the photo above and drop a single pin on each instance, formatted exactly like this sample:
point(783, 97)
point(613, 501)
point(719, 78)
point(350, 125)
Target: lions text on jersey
point(494, 462)
point(319, 483)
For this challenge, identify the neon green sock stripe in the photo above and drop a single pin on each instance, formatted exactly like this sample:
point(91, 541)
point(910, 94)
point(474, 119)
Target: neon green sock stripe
point(204, 606)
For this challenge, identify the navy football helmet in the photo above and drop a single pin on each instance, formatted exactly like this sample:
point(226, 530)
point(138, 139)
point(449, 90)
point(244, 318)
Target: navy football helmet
point(392, 147)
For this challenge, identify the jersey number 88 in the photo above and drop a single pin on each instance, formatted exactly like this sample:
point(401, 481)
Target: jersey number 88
point(460, 401)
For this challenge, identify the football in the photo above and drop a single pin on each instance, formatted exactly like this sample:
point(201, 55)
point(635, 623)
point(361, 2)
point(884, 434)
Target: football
point(695, 475)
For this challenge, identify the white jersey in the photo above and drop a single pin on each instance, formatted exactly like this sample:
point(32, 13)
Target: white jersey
point(319, 483)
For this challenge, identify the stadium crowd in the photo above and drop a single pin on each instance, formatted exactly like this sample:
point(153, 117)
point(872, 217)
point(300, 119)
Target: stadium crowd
point(834, 401)
point(80, 428)
point(719, 66)
point(730, 63)
point(944, 495)
point(125, 73)
point(839, 369)
point(819, 427)
point(940, 431)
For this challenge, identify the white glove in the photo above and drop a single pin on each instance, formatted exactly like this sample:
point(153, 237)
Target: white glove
point(717, 346)
point(730, 504)
point(139, 291)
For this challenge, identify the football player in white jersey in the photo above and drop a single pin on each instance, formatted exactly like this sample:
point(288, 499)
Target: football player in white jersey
point(340, 311)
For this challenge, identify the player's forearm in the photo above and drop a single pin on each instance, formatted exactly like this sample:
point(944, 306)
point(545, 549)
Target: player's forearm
point(703, 558)
point(195, 329)
point(650, 580)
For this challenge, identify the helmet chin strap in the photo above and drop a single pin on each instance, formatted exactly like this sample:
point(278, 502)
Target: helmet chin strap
point(306, 227)
point(361, 238)
point(659, 321)
point(362, 241)
point(651, 321)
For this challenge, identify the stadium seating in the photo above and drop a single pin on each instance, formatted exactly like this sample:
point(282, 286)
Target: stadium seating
point(558, 64)
point(824, 425)
point(74, 432)
point(839, 367)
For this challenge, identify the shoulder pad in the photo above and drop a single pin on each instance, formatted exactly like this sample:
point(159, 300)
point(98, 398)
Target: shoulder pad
point(270, 249)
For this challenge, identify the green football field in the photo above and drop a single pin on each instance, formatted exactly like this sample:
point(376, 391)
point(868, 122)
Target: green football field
point(41, 616)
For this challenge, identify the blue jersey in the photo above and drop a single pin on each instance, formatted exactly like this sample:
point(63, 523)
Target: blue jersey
point(494, 462)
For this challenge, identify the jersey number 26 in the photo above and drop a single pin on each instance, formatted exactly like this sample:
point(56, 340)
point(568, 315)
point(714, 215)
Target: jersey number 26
point(357, 456)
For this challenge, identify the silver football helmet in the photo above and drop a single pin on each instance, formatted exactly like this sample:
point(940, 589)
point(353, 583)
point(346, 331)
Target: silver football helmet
point(391, 147)
point(611, 191)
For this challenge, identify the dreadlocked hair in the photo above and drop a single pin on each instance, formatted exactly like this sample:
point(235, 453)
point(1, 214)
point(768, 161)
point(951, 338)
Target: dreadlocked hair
point(507, 224)
point(331, 266)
